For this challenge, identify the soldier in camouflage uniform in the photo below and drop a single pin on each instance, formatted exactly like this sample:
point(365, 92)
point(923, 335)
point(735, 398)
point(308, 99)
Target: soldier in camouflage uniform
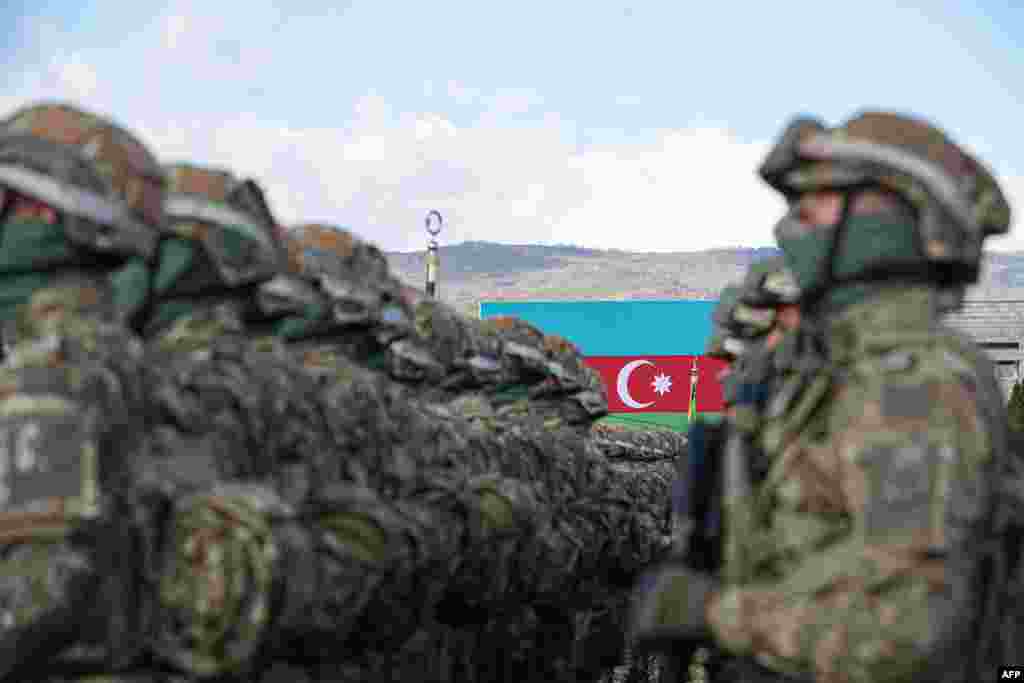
point(501, 368)
point(857, 558)
point(317, 474)
point(748, 323)
point(463, 370)
point(80, 207)
point(103, 446)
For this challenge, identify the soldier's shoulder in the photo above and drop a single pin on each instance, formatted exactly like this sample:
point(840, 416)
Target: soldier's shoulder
point(941, 378)
point(940, 355)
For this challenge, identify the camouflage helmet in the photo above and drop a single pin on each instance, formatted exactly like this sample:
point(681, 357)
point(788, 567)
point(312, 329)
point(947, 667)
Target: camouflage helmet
point(105, 185)
point(957, 201)
point(724, 345)
point(352, 273)
point(769, 283)
point(740, 319)
point(726, 341)
point(230, 218)
point(319, 251)
point(722, 313)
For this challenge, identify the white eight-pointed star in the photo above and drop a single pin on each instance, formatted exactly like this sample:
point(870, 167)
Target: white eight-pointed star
point(662, 384)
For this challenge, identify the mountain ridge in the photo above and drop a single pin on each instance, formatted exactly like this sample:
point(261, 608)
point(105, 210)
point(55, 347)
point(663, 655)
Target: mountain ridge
point(478, 270)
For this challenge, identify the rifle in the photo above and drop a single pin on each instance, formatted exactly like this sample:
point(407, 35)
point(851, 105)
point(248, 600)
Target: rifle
point(712, 491)
point(697, 512)
point(697, 498)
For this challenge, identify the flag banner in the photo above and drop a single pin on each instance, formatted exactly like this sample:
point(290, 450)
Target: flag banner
point(659, 384)
point(643, 349)
point(617, 328)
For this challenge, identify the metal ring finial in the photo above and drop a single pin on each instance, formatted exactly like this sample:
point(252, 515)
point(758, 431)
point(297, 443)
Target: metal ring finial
point(434, 230)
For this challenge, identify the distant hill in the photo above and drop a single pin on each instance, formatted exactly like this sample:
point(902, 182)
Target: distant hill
point(473, 271)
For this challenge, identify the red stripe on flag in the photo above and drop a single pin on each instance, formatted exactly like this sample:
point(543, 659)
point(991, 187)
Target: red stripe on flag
point(658, 384)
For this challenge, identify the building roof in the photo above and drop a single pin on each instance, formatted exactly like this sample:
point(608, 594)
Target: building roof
point(990, 321)
point(1003, 356)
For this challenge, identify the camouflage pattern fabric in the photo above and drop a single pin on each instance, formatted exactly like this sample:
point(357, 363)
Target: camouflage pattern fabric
point(381, 523)
point(742, 318)
point(222, 245)
point(381, 440)
point(73, 406)
point(897, 422)
point(220, 419)
point(768, 283)
point(81, 224)
point(129, 175)
point(638, 445)
point(951, 204)
point(240, 417)
point(492, 372)
point(542, 377)
point(553, 542)
point(845, 578)
point(550, 642)
point(499, 369)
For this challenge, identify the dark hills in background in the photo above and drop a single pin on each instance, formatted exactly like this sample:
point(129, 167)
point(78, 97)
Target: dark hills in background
point(474, 271)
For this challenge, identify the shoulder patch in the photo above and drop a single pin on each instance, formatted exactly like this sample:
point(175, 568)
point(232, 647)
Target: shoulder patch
point(47, 453)
point(899, 499)
point(910, 401)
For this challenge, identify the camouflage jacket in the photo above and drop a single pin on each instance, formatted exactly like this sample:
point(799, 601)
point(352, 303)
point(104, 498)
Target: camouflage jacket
point(474, 516)
point(73, 417)
point(851, 562)
point(218, 445)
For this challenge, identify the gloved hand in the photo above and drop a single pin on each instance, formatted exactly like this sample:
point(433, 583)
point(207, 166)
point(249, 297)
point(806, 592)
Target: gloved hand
point(668, 611)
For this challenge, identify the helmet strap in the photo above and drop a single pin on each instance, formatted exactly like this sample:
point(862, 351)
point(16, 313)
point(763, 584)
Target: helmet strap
point(138, 320)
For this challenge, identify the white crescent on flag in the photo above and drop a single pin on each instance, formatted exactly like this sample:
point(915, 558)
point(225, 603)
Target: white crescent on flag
point(622, 383)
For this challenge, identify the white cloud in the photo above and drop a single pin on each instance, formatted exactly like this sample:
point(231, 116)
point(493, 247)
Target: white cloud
point(689, 189)
point(629, 100)
point(75, 76)
point(176, 27)
point(686, 189)
point(462, 94)
point(512, 101)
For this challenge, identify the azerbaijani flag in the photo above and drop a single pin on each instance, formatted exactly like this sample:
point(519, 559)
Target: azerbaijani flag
point(643, 350)
point(659, 384)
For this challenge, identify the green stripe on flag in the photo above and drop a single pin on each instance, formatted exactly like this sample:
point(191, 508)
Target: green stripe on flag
point(675, 421)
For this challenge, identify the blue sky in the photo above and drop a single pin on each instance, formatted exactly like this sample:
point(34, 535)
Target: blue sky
point(634, 126)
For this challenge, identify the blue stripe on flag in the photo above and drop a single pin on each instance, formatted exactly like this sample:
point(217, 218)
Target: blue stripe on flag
point(617, 328)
